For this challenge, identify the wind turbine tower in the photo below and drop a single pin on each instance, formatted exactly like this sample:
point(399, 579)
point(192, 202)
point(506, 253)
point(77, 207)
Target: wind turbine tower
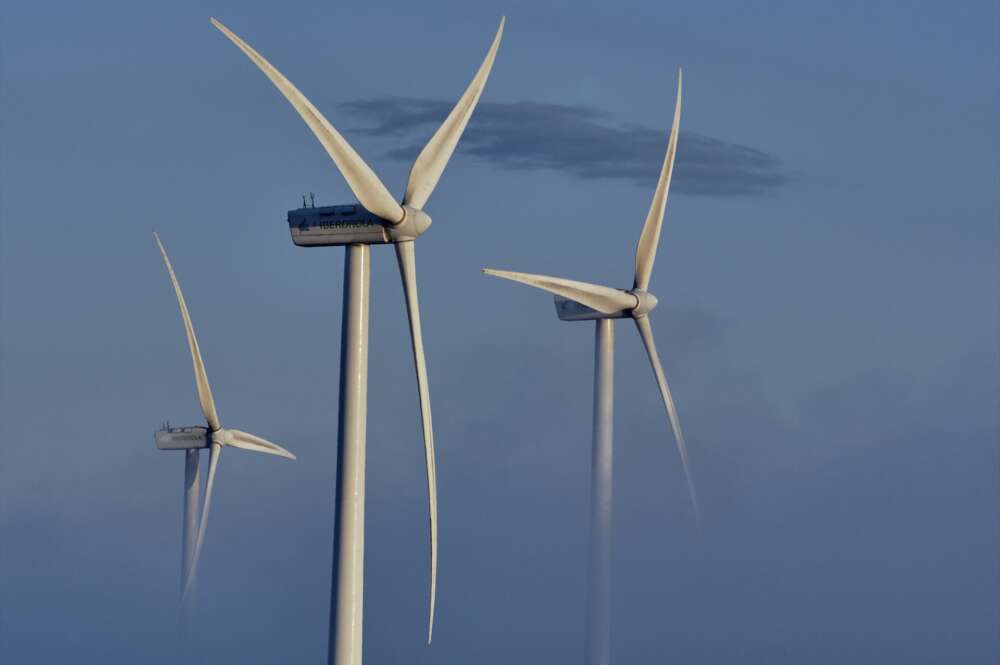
point(379, 219)
point(580, 301)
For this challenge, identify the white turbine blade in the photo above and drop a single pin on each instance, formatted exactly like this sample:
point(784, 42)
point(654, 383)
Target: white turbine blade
point(360, 178)
point(408, 271)
point(200, 377)
point(247, 441)
point(646, 333)
point(214, 453)
point(602, 298)
point(645, 253)
point(434, 157)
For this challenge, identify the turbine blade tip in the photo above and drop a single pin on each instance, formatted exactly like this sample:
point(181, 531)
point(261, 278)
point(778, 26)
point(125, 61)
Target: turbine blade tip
point(220, 26)
point(494, 272)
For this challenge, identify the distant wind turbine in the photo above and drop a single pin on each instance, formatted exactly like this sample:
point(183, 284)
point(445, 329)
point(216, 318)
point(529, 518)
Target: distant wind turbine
point(378, 220)
point(192, 440)
point(580, 301)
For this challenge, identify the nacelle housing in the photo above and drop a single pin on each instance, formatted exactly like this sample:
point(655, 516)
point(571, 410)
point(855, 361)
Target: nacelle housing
point(183, 438)
point(337, 225)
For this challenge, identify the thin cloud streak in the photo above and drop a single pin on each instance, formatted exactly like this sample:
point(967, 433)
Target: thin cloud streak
point(582, 141)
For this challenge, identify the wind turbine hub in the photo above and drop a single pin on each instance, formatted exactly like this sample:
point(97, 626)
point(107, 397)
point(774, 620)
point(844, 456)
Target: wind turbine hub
point(647, 302)
point(414, 223)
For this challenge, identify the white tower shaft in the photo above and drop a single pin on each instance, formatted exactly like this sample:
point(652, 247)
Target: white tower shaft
point(347, 598)
point(189, 545)
point(192, 490)
point(599, 609)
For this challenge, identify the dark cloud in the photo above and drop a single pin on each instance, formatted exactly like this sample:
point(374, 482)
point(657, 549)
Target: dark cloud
point(579, 140)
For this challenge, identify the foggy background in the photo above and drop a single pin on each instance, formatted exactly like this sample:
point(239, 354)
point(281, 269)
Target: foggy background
point(827, 277)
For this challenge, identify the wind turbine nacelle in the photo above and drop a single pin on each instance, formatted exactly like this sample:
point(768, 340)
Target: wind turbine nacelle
point(337, 225)
point(571, 310)
point(183, 438)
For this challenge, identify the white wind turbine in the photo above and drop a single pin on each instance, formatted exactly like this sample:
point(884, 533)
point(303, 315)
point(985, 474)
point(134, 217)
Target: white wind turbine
point(378, 220)
point(193, 439)
point(580, 301)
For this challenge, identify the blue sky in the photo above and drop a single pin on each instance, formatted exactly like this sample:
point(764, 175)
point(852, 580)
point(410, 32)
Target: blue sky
point(830, 335)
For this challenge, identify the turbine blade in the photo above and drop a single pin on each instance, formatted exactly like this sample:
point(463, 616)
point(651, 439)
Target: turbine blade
point(246, 441)
point(645, 253)
point(214, 453)
point(200, 377)
point(602, 298)
point(434, 157)
point(360, 178)
point(646, 333)
point(408, 272)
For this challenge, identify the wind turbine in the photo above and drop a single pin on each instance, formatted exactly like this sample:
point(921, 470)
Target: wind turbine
point(580, 301)
point(192, 440)
point(378, 220)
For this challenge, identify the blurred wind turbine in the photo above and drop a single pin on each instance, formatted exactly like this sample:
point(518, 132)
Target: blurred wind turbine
point(192, 440)
point(579, 301)
point(378, 220)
